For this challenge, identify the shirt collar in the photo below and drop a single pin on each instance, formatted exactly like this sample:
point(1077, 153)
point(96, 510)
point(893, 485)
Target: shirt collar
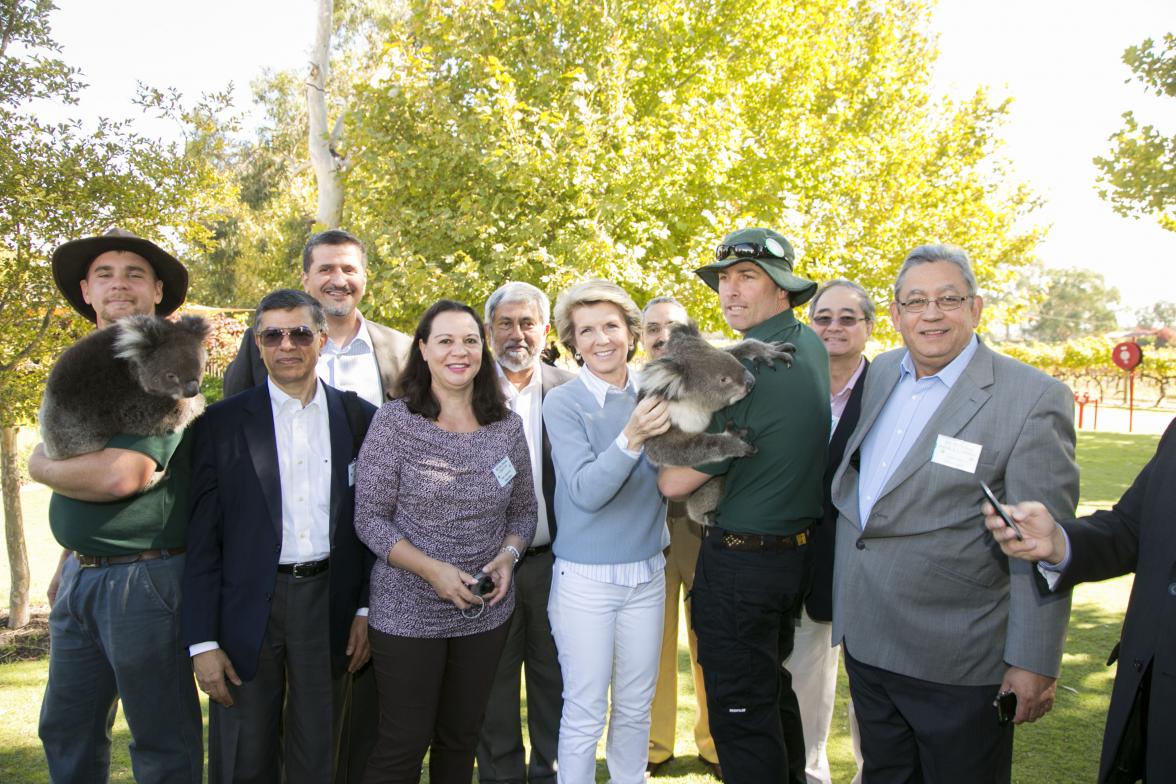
point(360, 344)
point(280, 400)
point(601, 388)
point(849, 385)
point(508, 386)
point(770, 327)
point(951, 372)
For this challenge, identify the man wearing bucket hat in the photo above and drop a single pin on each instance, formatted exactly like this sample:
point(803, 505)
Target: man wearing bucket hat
point(121, 513)
point(753, 566)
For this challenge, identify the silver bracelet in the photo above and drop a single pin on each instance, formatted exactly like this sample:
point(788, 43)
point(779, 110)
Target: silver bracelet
point(514, 551)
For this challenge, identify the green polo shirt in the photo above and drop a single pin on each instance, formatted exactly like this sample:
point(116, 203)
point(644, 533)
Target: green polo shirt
point(779, 489)
point(157, 518)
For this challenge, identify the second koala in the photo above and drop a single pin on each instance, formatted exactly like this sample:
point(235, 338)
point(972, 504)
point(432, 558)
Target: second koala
point(697, 380)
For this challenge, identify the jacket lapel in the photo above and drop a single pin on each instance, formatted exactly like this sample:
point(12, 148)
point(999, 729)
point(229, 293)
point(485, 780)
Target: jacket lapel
point(966, 397)
point(258, 430)
point(341, 446)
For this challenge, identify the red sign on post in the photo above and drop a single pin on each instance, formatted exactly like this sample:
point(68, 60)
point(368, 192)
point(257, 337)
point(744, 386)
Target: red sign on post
point(1127, 356)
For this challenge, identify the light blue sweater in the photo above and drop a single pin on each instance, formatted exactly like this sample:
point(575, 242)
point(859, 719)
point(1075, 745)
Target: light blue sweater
point(606, 501)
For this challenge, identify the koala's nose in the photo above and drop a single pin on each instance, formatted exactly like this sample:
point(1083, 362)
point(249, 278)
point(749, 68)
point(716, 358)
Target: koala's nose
point(192, 389)
point(748, 380)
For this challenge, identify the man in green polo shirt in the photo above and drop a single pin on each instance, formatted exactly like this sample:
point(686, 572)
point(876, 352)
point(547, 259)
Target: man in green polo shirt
point(121, 515)
point(753, 567)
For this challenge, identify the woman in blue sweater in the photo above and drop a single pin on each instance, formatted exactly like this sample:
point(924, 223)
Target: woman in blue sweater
point(608, 588)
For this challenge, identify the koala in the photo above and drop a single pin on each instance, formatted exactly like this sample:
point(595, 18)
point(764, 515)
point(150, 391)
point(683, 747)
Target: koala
point(141, 376)
point(697, 380)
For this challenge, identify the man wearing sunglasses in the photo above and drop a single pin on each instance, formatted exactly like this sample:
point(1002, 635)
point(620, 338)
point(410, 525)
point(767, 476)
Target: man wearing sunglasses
point(935, 621)
point(360, 356)
point(276, 584)
point(753, 564)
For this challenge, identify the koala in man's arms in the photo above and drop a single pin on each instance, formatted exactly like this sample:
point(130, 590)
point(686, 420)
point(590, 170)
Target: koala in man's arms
point(140, 375)
point(697, 380)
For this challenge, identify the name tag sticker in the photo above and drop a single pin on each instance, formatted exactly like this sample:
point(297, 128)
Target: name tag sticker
point(504, 471)
point(351, 474)
point(954, 453)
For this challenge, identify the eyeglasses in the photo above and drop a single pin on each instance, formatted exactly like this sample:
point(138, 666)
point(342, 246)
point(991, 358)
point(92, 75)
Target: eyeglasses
point(750, 250)
point(919, 304)
point(299, 336)
point(843, 321)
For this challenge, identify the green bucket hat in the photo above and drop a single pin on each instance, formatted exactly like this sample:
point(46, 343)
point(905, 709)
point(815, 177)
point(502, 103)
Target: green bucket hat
point(71, 262)
point(767, 249)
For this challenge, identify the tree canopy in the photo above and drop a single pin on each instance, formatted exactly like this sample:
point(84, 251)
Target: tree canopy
point(545, 140)
point(1077, 304)
point(1139, 175)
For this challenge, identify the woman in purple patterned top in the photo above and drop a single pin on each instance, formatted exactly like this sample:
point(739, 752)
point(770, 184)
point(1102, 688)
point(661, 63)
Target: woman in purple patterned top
point(443, 492)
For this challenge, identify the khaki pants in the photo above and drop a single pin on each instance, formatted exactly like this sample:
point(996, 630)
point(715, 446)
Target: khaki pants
point(685, 540)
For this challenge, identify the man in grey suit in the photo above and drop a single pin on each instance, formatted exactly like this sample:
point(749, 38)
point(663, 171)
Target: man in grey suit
point(935, 620)
point(361, 356)
point(518, 316)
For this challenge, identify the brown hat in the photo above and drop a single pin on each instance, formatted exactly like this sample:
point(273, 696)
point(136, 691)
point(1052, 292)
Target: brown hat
point(71, 262)
point(768, 250)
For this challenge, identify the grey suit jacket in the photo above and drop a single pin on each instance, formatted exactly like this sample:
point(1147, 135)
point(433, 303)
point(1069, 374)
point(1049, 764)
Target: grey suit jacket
point(923, 591)
point(390, 346)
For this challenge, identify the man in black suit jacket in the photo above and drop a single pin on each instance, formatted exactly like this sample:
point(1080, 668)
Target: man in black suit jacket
point(276, 581)
point(517, 316)
point(360, 355)
point(842, 315)
point(1137, 535)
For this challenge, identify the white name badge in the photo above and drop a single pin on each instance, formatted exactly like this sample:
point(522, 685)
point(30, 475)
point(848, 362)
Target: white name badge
point(954, 453)
point(351, 474)
point(504, 471)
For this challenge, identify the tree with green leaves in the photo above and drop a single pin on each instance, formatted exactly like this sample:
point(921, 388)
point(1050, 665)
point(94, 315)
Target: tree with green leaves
point(60, 181)
point(545, 140)
point(1077, 304)
point(1139, 175)
point(1158, 314)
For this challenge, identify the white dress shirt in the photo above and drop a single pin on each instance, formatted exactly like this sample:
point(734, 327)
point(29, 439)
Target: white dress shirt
point(353, 366)
point(528, 404)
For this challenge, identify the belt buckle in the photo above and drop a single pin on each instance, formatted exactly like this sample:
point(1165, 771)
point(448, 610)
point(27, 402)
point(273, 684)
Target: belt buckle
point(302, 570)
point(732, 541)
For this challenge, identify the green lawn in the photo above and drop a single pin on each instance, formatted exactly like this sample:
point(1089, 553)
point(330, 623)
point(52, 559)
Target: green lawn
point(1062, 747)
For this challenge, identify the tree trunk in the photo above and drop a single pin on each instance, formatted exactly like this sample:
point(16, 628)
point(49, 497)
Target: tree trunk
point(322, 157)
point(18, 556)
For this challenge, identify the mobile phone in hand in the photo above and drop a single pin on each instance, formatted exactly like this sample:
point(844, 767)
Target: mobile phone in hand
point(1008, 520)
point(1006, 707)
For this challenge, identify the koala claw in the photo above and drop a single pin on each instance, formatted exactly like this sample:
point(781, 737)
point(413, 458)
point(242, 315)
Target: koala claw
point(740, 433)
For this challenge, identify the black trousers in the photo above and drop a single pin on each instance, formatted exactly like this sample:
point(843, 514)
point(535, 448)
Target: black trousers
point(917, 731)
point(433, 694)
point(743, 610)
point(501, 756)
point(282, 725)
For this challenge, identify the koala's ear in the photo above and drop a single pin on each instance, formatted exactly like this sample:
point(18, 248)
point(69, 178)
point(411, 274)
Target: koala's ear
point(689, 328)
point(196, 325)
point(663, 377)
point(137, 335)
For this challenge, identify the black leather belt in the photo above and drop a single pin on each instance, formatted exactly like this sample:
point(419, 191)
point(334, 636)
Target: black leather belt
point(540, 550)
point(730, 540)
point(91, 561)
point(305, 569)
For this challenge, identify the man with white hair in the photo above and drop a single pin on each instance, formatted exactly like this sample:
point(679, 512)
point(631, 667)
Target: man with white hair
point(518, 316)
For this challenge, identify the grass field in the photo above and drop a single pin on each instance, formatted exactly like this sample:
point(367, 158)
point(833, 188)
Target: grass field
point(1063, 747)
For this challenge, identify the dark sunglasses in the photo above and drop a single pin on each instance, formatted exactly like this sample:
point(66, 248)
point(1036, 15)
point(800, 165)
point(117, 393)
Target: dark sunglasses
point(299, 336)
point(844, 321)
point(747, 250)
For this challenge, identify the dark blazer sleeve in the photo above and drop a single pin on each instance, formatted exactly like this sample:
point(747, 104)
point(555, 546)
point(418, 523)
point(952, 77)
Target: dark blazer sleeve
point(246, 370)
point(200, 610)
point(551, 377)
point(1106, 544)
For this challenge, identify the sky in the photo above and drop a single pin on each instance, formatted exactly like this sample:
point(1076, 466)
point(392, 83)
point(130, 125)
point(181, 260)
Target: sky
point(1059, 61)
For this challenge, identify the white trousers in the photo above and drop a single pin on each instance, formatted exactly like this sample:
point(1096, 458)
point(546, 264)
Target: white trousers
point(813, 665)
point(606, 634)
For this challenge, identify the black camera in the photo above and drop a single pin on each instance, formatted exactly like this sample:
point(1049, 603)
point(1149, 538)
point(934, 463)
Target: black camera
point(483, 584)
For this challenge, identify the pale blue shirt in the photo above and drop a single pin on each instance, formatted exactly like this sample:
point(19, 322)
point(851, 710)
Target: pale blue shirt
point(905, 414)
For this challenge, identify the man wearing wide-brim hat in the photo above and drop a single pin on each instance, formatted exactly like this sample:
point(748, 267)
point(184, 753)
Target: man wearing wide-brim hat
point(121, 514)
point(753, 566)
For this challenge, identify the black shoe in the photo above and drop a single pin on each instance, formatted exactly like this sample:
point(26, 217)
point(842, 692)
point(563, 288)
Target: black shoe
point(713, 768)
point(653, 767)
